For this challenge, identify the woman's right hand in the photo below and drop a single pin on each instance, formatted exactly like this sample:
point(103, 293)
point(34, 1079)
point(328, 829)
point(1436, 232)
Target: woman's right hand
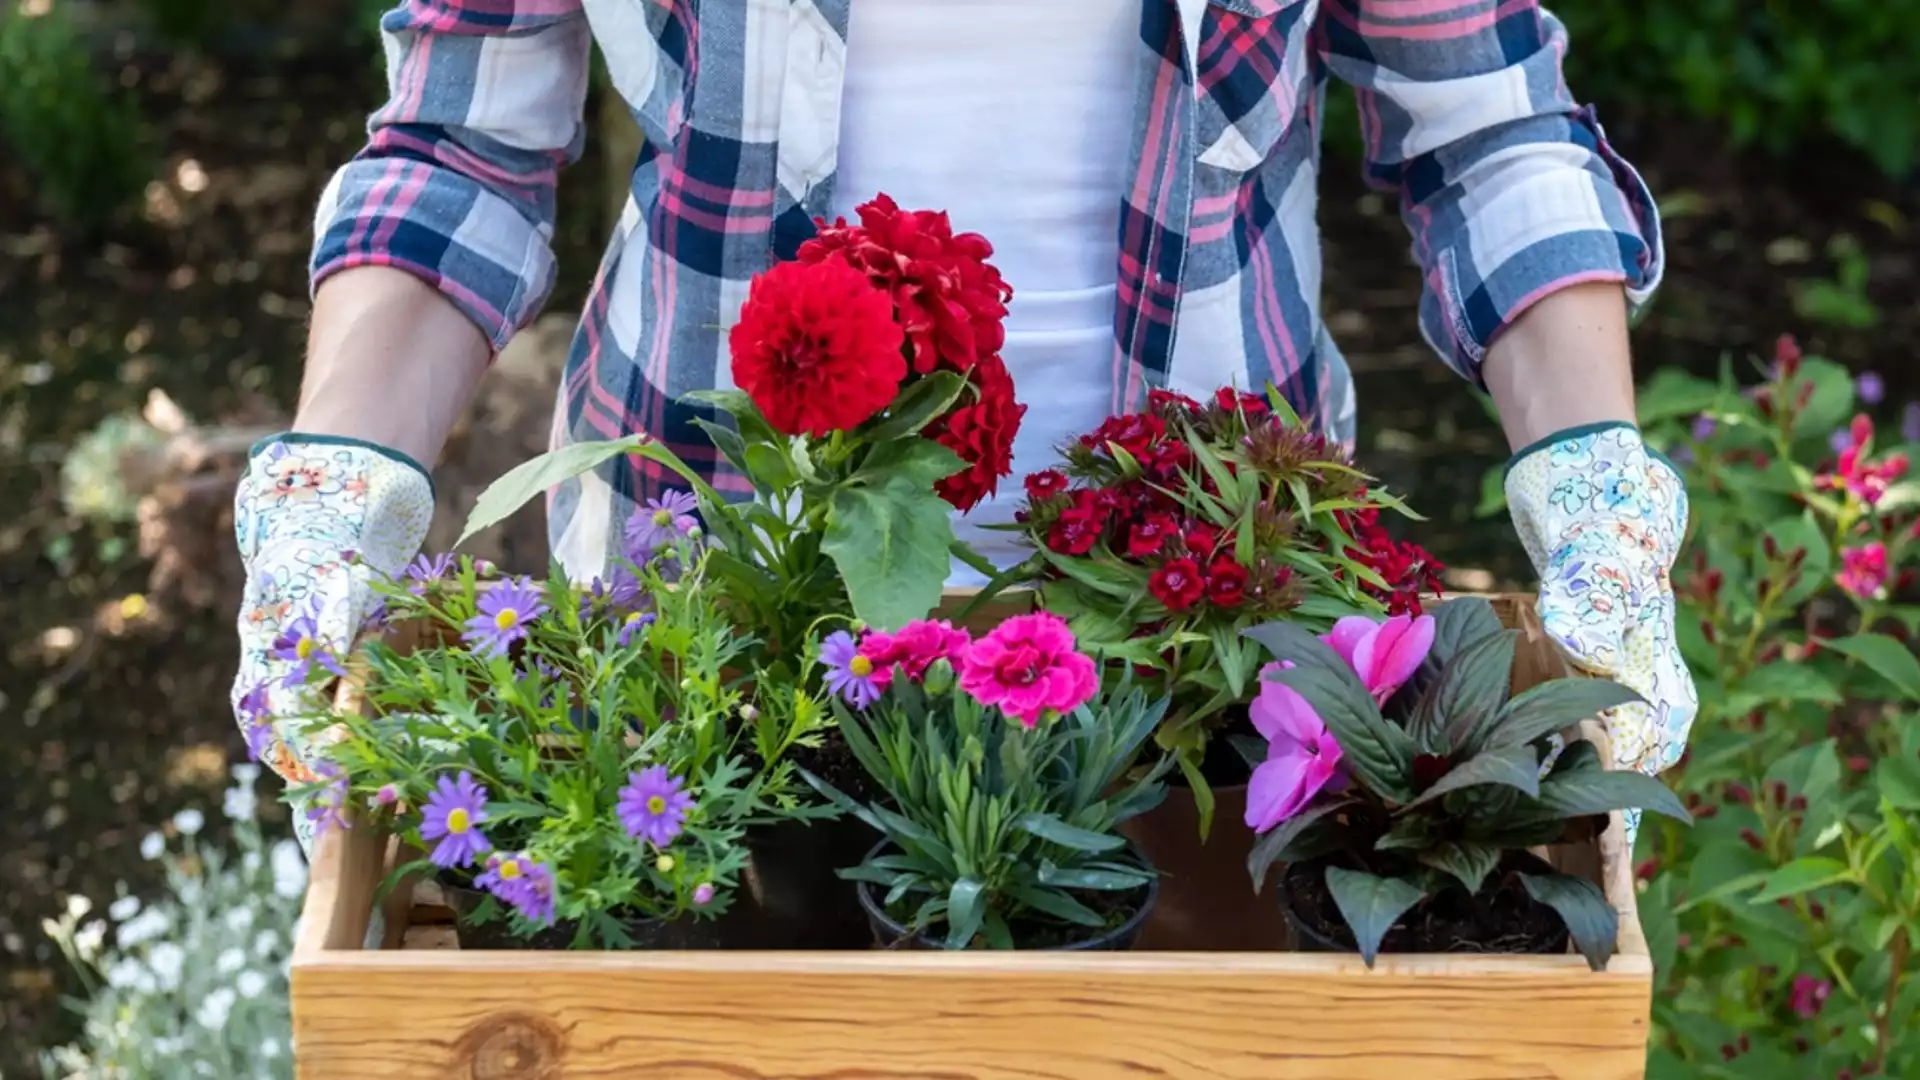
point(316, 518)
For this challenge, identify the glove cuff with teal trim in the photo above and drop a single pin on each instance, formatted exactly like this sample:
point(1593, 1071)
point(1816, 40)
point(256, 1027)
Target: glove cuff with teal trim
point(1600, 479)
point(324, 491)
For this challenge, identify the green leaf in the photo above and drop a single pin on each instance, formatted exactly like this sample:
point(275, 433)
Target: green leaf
point(1101, 576)
point(1370, 905)
point(739, 405)
point(1469, 864)
point(1457, 624)
point(965, 908)
point(1202, 791)
point(728, 442)
point(1781, 684)
point(1515, 766)
point(1673, 394)
point(1272, 845)
point(1050, 828)
point(1554, 706)
point(1082, 878)
point(768, 468)
point(1057, 904)
point(1600, 791)
point(1800, 876)
point(890, 546)
point(917, 406)
point(536, 475)
point(1593, 922)
point(1493, 492)
point(1462, 704)
point(1893, 661)
point(919, 461)
point(1899, 781)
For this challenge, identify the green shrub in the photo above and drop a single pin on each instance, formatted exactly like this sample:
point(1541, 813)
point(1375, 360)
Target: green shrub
point(1777, 72)
point(86, 145)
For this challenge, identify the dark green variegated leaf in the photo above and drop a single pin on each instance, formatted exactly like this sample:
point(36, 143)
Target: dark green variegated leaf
point(1052, 829)
point(1411, 832)
point(1252, 750)
point(966, 906)
point(1554, 706)
point(1594, 924)
point(1057, 904)
point(1273, 845)
point(1370, 905)
point(1515, 766)
point(1469, 864)
point(1289, 641)
point(1599, 791)
point(1579, 754)
point(1457, 624)
point(1375, 750)
point(1472, 689)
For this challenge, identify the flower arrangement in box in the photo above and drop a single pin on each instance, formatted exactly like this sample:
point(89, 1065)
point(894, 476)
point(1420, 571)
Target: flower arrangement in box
point(1404, 783)
point(1002, 767)
point(578, 764)
point(1165, 533)
point(871, 401)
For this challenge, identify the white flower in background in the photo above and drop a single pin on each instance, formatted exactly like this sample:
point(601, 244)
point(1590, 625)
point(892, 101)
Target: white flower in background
point(142, 928)
point(77, 907)
point(251, 984)
point(89, 938)
point(152, 845)
point(269, 1049)
point(166, 958)
point(245, 774)
point(130, 974)
point(266, 944)
point(215, 1008)
point(124, 908)
point(230, 961)
point(240, 920)
point(189, 822)
point(239, 804)
point(289, 869)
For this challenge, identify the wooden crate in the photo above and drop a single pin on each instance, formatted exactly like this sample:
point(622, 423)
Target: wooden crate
point(419, 1008)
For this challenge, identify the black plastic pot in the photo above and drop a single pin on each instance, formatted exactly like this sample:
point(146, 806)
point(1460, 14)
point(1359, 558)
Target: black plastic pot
point(793, 895)
point(685, 932)
point(890, 934)
point(1309, 936)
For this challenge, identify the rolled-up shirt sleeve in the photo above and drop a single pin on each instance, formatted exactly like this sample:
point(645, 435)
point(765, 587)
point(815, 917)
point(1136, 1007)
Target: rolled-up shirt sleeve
point(1509, 188)
point(456, 182)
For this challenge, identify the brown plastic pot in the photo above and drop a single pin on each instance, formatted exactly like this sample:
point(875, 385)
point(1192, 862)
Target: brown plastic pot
point(1207, 902)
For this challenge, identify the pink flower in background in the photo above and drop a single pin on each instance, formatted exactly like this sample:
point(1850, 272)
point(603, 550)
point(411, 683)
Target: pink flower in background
point(1029, 666)
point(1808, 995)
point(913, 647)
point(1384, 654)
point(1302, 755)
point(1863, 570)
point(1866, 480)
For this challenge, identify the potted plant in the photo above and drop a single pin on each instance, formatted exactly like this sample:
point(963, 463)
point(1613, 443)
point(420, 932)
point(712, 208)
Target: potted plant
point(1002, 767)
point(1404, 784)
point(577, 765)
point(1161, 537)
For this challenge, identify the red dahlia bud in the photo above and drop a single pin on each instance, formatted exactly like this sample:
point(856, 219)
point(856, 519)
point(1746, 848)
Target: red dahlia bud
point(1715, 579)
point(1779, 791)
point(1647, 869)
point(1706, 812)
point(1799, 556)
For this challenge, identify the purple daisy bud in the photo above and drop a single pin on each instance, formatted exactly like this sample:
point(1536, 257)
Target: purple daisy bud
point(503, 615)
point(388, 795)
point(652, 806)
point(848, 673)
point(453, 815)
point(1871, 388)
point(662, 521)
point(300, 643)
point(703, 894)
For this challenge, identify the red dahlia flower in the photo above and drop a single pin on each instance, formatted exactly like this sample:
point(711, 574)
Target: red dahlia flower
point(982, 433)
point(950, 300)
point(1178, 584)
point(816, 347)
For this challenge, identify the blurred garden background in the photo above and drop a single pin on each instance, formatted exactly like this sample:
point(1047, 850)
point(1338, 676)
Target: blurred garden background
point(159, 165)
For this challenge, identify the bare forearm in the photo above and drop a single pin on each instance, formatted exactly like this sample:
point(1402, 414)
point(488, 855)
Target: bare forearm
point(1563, 362)
point(389, 360)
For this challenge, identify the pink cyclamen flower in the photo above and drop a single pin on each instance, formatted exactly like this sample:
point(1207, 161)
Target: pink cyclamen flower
point(1302, 755)
point(1384, 654)
point(1863, 571)
point(1029, 666)
point(913, 648)
point(1808, 995)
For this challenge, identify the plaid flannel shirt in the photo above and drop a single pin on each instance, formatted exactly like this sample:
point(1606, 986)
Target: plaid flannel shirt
point(1509, 189)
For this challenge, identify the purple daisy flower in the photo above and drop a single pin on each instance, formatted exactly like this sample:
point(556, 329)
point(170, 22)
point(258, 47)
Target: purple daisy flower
point(453, 815)
point(1910, 422)
point(504, 613)
point(1871, 387)
point(620, 592)
point(426, 570)
point(662, 521)
point(520, 883)
point(329, 808)
point(652, 806)
point(300, 643)
point(255, 711)
point(848, 673)
point(631, 625)
point(1703, 426)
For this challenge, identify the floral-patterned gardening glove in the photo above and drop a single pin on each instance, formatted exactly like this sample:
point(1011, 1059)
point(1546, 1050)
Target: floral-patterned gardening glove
point(316, 517)
point(1602, 518)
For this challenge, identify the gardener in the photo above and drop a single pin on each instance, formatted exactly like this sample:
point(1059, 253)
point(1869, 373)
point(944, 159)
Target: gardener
point(1146, 170)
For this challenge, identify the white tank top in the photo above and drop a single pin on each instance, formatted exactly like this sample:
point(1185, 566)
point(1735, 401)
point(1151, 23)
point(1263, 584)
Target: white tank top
point(1014, 116)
